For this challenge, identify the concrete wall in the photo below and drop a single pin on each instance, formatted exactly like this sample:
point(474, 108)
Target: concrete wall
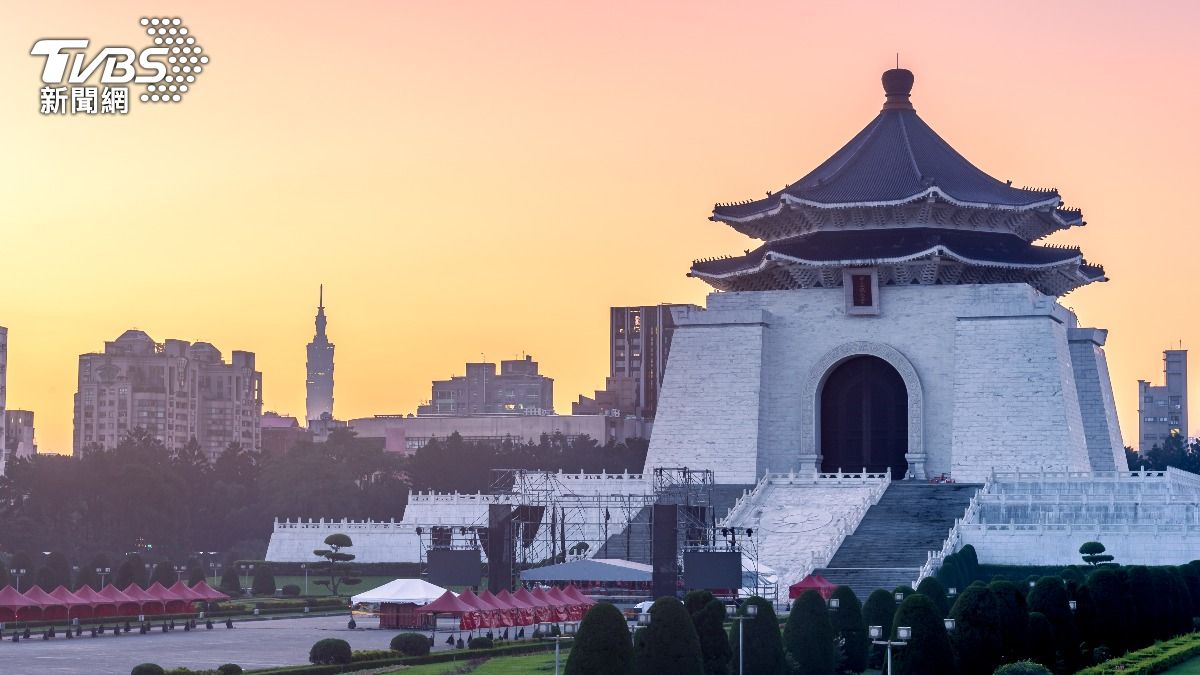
point(991, 364)
point(1036, 545)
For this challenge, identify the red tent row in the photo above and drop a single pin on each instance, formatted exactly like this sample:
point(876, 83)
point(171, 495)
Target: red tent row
point(61, 603)
point(523, 608)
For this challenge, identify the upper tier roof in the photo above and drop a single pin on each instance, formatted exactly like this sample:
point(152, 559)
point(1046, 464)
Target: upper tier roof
point(897, 159)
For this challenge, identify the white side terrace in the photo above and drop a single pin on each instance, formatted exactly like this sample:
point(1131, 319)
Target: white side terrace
point(1041, 518)
point(800, 520)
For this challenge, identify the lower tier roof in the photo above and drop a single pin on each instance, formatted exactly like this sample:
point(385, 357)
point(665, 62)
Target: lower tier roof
point(912, 255)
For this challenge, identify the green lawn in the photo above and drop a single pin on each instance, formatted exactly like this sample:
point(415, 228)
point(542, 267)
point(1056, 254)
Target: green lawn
point(1189, 668)
point(500, 665)
point(367, 584)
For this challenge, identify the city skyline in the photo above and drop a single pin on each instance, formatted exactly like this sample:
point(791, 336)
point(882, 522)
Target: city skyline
point(634, 143)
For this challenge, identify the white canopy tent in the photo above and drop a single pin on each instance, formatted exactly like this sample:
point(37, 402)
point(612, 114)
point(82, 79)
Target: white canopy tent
point(416, 591)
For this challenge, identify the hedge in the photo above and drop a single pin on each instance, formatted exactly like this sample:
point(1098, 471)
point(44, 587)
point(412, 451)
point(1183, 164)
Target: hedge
point(447, 656)
point(1158, 658)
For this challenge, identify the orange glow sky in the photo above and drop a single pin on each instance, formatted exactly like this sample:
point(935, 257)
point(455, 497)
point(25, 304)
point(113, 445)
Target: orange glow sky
point(489, 177)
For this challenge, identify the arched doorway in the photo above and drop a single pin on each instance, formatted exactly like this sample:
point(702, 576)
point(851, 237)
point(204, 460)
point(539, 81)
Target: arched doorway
point(864, 417)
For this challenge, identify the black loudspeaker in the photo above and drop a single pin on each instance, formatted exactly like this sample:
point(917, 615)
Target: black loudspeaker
point(664, 549)
point(500, 553)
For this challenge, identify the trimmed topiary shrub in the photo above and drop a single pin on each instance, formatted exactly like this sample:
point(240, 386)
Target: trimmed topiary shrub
point(1023, 668)
point(808, 637)
point(970, 563)
point(1140, 592)
point(410, 644)
point(904, 591)
point(709, 623)
point(1110, 602)
point(330, 651)
point(1042, 642)
point(929, 650)
point(1013, 619)
point(878, 611)
point(291, 590)
point(951, 573)
point(602, 644)
point(229, 669)
point(480, 642)
point(264, 581)
point(977, 638)
point(147, 669)
point(1049, 597)
point(764, 644)
point(935, 591)
point(695, 600)
point(850, 631)
point(669, 644)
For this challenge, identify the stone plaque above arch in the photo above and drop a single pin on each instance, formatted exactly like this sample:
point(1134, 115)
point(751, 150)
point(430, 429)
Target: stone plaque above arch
point(810, 414)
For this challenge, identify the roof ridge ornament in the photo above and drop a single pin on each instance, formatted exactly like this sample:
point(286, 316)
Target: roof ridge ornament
point(897, 84)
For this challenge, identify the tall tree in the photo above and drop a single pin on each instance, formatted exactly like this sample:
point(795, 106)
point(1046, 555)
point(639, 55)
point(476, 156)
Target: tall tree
point(808, 637)
point(335, 562)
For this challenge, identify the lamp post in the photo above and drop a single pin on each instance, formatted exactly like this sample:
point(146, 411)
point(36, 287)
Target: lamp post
point(215, 569)
point(304, 566)
point(903, 635)
point(103, 572)
point(751, 613)
point(17, 573)
point(568, 629)
point(247, 570)
point(179, 570)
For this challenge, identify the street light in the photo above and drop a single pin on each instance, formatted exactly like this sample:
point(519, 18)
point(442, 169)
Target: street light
point(949, 624)
point(1074, 605)
point(17, 573)
point(568, 629)
point(103, 572)
point(899, 597)
point(834, 603)
point(215, 568)
point(751, 613)
point(903, 635)
point(304, 566)
point(952, 592)
point(179, 570)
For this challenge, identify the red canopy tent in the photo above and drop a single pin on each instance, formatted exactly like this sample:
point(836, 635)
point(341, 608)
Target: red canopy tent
point(504, 611)
point(147, 604)
point(125, 605)
point(571, 591)
point(181, 589)
point(75, 605)
point(485, 613)
point(101, 606)
point(174, 602)
point(558, 608)
point(449, 604)
point(812, 582)
point(208, 592)
point(15, 606)
point(574, 608)
point(52, 607)
point(541, 610)
point(524, 610)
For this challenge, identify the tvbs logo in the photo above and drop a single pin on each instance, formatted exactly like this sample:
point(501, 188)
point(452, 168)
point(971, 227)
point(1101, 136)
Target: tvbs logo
point(167, 69)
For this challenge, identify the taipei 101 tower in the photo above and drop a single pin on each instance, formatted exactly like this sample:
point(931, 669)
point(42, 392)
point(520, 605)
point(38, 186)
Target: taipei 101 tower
point(320, 368)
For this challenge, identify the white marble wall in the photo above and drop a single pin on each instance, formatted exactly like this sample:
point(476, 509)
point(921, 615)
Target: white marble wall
point(1102, 431)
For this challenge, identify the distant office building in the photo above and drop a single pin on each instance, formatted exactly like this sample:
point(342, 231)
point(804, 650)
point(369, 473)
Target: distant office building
point(281, 433)
point(176, 390)
point(1163, 410)
point(319, 402)
point(639, 342)
point(517, 389)
point(409, 433)
point(18, 434)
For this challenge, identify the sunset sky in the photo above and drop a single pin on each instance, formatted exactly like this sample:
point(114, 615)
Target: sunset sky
point(482, 179)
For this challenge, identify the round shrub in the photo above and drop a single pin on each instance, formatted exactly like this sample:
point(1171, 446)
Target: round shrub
point(849, 628)
point(764, 644)
point(669, 644)
point(330, 651)
point(1049, 597)
point(291, 590)
point(229, 669)
point(808, 636)
point(978, 637)
point(480, 642)
point(1023, 668)
point(935, 591)
point(1042, 640)
point(602, 644)
point(147, 669)
point(1013, 619)
point(411, 644)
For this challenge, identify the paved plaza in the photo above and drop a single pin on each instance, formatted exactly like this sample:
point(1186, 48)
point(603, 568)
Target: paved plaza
point(251, 644)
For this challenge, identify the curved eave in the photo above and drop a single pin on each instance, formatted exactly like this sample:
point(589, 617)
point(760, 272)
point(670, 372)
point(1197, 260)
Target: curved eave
point(938, 250)
point(774, 205)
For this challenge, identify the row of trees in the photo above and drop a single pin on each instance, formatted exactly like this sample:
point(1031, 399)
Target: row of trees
point(142, 497)
point(1174, 451)
point(1056, 624)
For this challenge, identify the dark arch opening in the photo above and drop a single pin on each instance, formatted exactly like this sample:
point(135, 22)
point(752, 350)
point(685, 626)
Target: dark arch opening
point(864, 418)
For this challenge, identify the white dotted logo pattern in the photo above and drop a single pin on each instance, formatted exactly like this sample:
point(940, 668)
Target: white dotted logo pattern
point(185, 59)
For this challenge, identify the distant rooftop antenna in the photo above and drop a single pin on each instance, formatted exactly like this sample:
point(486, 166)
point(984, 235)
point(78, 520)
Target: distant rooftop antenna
point(897, 60)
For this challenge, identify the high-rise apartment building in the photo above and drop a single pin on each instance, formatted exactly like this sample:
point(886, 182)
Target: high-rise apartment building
point(19, 439)
point(319, 401)
point(517, 389)
point(176, 390)
point(1163, 409)
point(639, 342)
